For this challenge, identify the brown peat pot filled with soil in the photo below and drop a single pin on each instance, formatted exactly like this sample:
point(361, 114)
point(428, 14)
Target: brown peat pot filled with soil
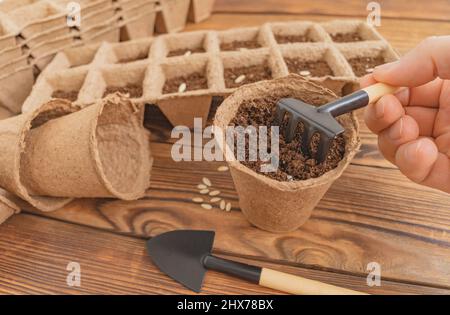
point(282, 201)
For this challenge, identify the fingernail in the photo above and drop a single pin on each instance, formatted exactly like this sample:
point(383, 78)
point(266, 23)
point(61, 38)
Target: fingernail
point(379, 110)
point(386, 66)
point(395, 132)
point(412, 150)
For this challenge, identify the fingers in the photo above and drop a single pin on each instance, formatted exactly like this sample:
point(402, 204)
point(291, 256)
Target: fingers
point(420, 161)
point(382, 114)
point(425, 118)
point(443, 143)
point(427, 95)
point(421, 65)
point(402, 131)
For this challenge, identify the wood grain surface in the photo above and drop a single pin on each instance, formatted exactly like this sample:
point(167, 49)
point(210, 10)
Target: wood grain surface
point(372, 213)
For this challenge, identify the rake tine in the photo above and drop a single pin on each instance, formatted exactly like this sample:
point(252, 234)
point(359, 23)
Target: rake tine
point(291, 127)
point(279, 115)
point(324, 146)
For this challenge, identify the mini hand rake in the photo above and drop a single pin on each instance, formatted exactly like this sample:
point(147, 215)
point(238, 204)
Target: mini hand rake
point(322, 119)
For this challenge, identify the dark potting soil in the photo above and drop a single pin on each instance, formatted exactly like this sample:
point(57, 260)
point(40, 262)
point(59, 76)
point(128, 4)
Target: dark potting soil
point(238, 44)
point(252, 74)
point(316, 68)
point(67, 95)
point(294, 164)
point(285, 39)
point(364, 65)
point(194, 81)
point(346, 37)
point(181, 52)
point(135, 91)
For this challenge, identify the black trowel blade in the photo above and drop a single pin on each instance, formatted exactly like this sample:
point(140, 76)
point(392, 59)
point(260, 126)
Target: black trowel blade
point(179, 254)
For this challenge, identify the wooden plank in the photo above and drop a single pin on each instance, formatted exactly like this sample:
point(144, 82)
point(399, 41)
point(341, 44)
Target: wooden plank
point(369, 214)
point(402, 34)
point(400, 9)
point(36, 251)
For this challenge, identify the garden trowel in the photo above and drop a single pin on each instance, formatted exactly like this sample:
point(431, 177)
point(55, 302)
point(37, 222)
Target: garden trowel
point(185, 256)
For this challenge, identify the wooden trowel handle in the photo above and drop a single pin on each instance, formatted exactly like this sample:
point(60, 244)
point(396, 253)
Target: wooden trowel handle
point(297, 285)
point(274, 279)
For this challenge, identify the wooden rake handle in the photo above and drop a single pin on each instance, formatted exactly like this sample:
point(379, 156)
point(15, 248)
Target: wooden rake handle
point(298, 285)
point(377, 90)
point(357, 99)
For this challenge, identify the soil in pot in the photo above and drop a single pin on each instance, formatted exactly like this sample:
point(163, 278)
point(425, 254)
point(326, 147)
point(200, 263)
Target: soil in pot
point(286, 39)
point(135, 91)
point(184, 51)
point(294, 163)
point(191, 82)
point(71, 96)
point(318, 68)
point(364, 65)
point(235, 77)
point(239, 44)
point(346, 37)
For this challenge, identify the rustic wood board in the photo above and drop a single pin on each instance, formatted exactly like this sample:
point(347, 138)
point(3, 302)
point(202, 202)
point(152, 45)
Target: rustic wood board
point(372, 213)
point(34, 262)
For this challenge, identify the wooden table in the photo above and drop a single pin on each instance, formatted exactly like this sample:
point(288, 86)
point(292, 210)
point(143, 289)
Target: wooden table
point(372, 213)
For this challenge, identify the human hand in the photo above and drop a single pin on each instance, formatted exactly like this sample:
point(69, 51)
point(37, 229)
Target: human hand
point(413, 125)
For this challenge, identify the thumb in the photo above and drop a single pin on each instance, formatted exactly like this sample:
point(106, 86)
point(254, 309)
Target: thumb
point(419, 66)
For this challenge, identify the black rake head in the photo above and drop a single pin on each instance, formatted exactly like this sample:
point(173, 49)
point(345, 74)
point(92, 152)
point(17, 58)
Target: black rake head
point(314, 121)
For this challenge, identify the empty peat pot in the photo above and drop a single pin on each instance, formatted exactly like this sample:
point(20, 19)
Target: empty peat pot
point(269, 204)
point(102, 150)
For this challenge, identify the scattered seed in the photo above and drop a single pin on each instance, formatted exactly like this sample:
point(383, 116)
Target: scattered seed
point(197, 200)
point(187, 53)
point(204, 191)
point(369, 70)
point(201, 186)
point(305, 73)
point(182, 88)
point(228, 207)
point(215, 199)
point(206, 181)
point(214, 193)
point(206, 206)
point(222, 205)
point(222, 168)
point(239, 79)
point(290, 178)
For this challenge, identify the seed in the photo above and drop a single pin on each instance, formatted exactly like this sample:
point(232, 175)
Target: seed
point(206, 181)
point(215, 199)
point(222, 205)
point(201, 186)
point(204, 191)
point(305, 73)
point(206, 206)
point(222, 168)
point(228, 207)
point(214, 193)
point(369, 70)
point(239, 79)
point(290, 178)
point(182, 88)
point(187, 53)
point(197, 200)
